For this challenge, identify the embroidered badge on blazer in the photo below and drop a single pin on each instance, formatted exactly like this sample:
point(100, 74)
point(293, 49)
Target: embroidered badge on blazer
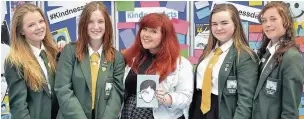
point(108, 88)
point(231, 86)
point(103, 69)
point(104, 66)
point(271, 87)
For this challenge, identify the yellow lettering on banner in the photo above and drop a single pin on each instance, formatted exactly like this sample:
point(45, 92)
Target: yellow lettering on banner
point(255, 3)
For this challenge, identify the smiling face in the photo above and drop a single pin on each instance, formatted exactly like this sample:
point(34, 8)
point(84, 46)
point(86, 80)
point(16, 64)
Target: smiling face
point(222, 26)
point(33, 28)
point(272, 24)
point(151, 38)
point(96, 26)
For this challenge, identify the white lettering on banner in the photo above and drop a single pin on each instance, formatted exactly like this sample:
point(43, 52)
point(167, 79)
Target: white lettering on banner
point(134, 16)
point(65, 12)
point(245, 12)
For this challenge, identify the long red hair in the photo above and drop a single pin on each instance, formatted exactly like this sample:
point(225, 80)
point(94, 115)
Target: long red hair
point(166, 58)
point(83, 37)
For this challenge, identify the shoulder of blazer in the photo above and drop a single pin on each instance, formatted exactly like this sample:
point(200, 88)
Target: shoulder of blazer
point(12, 68)
point(291, 55)
point(72, 47)
point(244, 55)
point(118, 54)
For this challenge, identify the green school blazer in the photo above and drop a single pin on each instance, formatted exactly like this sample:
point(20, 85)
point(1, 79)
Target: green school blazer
point(279, 88)
point(73, 86)
point(24, 102)
point(237, 83)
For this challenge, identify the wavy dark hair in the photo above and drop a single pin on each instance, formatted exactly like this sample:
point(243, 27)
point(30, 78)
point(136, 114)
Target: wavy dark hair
point(288, 39)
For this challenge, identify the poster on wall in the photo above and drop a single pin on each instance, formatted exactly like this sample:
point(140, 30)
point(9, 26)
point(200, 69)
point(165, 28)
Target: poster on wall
point(5, 110)
point(298, 13)
point(5, 48)
point(61, 35)
point(201, 32)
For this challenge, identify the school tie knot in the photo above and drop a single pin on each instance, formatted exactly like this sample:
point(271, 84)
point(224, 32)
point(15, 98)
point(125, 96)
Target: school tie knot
point(264, 60)
point(44, 56)
point(218, 51)
point(267, 54)
point(94, 58)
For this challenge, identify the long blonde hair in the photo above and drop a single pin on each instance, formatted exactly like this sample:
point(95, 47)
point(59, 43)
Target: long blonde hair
point(21, 54)
point(240, 42)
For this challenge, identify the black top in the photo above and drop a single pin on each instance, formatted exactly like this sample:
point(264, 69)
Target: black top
point(131, 79)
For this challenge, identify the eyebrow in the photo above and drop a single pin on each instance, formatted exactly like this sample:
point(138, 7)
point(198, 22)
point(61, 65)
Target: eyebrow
point(269, 17)
point(155, 29)
point(221, 21)
point(29, 23)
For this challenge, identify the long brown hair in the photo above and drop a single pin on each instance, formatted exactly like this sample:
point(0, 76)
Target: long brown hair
point(21, 54)
point(83, 37)
point(240, 42)
point(166, 58)
point(288, 39)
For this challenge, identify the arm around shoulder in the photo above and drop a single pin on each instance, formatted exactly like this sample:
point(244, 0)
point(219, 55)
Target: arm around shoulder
point(247, 78)
point(69, 104)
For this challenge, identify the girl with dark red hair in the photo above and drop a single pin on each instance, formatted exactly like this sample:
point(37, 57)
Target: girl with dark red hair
point(156, 51)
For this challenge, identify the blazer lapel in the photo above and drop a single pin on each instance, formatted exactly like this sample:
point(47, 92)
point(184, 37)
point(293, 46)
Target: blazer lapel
point(264, 74)
point(45, 86)
point(86, 70)
point(101, 79)
point(102, 73)
point(225, 69)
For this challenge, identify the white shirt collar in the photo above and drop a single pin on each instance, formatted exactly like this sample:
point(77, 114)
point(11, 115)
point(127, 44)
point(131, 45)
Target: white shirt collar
point(225, 47)
point(37, 51)
point(272, 49)
point(91, 51)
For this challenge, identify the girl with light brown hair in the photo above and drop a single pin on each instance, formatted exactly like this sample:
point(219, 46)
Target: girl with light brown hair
point(30, 66)
point(227, 72)
point(279, 89)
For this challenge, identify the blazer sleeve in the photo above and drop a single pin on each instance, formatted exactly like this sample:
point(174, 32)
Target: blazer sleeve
point(69, 104)
point(292, 83)
point(182, 96)
point(17, 93)
point(116, 97)
point(247, 78)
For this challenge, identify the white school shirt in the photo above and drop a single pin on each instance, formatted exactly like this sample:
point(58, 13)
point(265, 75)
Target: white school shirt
point(272, 49)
